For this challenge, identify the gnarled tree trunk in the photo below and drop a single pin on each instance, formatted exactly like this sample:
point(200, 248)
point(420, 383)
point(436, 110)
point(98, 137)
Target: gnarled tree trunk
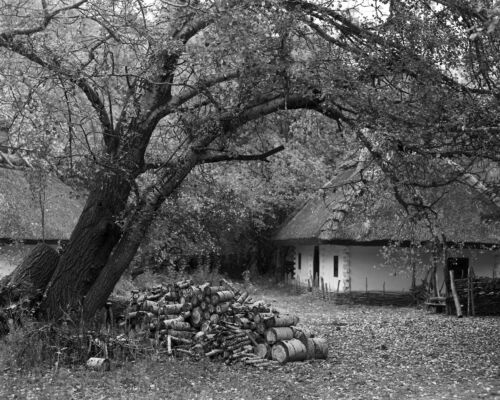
point(89, 247)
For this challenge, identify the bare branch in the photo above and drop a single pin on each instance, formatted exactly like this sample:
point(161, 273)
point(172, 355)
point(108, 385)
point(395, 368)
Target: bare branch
point(47, 17)
point(214, 156)
point(54, 65)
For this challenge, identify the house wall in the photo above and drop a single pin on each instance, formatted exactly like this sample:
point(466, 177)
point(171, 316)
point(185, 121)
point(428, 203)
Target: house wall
point(305, 271)
point(358, 263)
point(368, 271)
point(364, 265)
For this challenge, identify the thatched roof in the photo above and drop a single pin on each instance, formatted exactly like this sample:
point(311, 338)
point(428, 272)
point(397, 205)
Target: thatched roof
point(20, 206)
point(339, 215)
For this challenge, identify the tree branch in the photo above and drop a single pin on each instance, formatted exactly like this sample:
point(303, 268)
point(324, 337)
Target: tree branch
point(213, 156)
point(47, 17)
point(53, 65)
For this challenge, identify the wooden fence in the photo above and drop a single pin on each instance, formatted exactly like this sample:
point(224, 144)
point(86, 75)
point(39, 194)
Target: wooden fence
point(367, 297)
point(477, 296)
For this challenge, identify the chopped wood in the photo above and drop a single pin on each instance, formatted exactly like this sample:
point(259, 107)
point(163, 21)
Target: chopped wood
point(210, 321)
point(242, 297)
point(289, 350)
point(274, 335)
point(214, 352)
point(263, 350)
point(221, 296)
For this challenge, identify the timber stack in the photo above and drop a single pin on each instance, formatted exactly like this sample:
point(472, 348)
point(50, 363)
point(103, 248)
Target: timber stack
point(219, 322)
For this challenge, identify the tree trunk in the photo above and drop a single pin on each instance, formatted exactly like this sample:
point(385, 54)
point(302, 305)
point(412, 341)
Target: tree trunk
point(139, 223)
point(90, 245)
point(30, 278)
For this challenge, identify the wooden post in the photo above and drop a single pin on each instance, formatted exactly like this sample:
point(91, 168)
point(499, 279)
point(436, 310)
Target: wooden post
point(468, 293)
point(472, 302)
point(327, 293)
point(338, 286)
point(455, 295)
point(366, 284)
point(323, 288)
point(309, 289)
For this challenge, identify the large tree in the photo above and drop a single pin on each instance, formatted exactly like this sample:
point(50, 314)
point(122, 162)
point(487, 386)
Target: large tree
point(175, 84)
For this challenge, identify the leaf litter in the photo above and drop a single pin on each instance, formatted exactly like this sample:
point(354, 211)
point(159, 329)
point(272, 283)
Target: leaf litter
point(374, 353)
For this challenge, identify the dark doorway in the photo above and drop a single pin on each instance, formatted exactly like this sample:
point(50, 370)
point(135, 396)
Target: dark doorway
point(316, 266)
point(459, 266)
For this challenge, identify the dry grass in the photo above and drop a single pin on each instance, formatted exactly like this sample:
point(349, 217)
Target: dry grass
point(375, 353)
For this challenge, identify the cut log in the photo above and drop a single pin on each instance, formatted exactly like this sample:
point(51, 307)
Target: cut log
point(263, 317)
point(222, 308)
point(172, 308)
point(221, 296)
point(274, 335)
point(209, 290)
point(196, 317)
point(260, 327)
point(289, 350)
point(214, 318)
point(242, 298)
point(181, 334)
point(317, 348)
point(301, 334)
point(214, 352)
point(280, 321)
point(263, 350)
point(177, 325)
point(151, 306)
point(228, 285)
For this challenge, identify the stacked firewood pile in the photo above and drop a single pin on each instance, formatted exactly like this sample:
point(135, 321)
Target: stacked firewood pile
point(219, 322)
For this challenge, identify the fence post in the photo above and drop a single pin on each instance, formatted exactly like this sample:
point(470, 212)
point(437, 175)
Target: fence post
point(323, 287)
point(366, 284)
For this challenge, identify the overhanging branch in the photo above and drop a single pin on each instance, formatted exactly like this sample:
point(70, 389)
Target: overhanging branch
point(213, 156)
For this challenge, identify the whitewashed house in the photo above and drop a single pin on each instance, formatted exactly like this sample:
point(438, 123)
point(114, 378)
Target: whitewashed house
point(331, 238)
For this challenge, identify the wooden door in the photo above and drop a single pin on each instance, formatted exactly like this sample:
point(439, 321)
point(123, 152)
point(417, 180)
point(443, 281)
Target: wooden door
point(316, 266)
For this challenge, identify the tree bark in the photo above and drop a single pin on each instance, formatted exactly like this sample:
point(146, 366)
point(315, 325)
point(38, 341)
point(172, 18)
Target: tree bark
point(30, 278)
point(90, 245)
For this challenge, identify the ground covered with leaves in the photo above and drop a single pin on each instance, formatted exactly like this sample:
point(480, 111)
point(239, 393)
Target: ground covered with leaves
point(375, 353)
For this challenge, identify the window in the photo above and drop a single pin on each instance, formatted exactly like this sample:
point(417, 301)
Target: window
point(299, 261)
point(335, 266)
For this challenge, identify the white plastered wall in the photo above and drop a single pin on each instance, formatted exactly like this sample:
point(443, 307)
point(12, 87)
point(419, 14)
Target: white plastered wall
point(364, 265)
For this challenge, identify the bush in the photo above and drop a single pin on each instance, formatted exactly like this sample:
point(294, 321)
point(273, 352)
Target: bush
point(36, 346)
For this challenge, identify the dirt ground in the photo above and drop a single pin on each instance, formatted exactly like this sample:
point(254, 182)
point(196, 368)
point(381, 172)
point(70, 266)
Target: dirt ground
point(374, 353)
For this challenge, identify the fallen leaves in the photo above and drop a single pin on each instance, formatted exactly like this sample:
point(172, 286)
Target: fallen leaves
point(375, 353)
